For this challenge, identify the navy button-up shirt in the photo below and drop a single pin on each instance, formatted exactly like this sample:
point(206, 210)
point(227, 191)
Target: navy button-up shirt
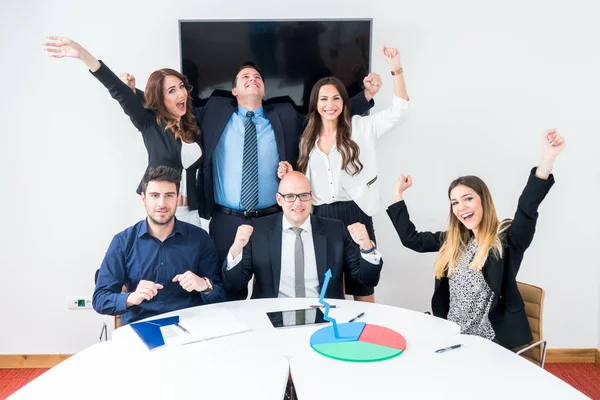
point(135, 255)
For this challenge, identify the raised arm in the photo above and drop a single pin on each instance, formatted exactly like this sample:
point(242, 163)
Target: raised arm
point(364, 265)
point(521, 231)
point(61, 47)
point(363, 102)
point(422, 242)
point(392, 58)
point(386, 120)
point(237, 267)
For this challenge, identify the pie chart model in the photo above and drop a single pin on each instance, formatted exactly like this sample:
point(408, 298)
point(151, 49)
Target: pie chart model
point(358, 342)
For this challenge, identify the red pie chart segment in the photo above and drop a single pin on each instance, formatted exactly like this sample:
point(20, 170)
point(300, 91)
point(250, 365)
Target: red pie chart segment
point(382, 336)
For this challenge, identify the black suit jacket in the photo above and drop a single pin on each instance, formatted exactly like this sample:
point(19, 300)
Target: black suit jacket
point(161, 145)
point(287, 124)
point(334, 249)
point(507, 313)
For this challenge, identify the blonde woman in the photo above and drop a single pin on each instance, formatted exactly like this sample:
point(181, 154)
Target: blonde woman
point(337, 154)
point(479, 256)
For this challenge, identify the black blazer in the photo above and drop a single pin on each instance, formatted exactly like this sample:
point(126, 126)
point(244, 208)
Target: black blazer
point(161, 145)
point(334, 249)
point(287, 124)
point(507, 313)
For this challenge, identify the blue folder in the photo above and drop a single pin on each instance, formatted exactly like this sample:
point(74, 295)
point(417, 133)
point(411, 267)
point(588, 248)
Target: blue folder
point(149, 331)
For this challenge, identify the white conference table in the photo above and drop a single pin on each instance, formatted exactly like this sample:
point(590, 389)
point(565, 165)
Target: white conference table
point(255, 364)
point(480, 369)
point(109, 370)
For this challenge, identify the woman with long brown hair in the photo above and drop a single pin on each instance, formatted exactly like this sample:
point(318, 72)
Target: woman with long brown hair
point(165, 119)
point(337, 154)
point(479, 256)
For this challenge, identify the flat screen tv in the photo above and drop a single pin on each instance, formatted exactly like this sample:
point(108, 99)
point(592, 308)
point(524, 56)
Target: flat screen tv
point(292, 55)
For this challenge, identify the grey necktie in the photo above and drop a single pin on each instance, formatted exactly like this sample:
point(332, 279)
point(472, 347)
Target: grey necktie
point(299, 285)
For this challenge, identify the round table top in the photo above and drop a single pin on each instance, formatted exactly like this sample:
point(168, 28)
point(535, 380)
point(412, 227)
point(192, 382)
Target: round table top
point(256, 364)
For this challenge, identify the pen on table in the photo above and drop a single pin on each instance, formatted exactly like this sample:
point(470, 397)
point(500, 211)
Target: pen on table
point(357, 317)
point(319, 306)
point(456, 346)
point(182, 328)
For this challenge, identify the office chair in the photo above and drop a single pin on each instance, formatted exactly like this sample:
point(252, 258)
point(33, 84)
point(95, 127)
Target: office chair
point(533, 297)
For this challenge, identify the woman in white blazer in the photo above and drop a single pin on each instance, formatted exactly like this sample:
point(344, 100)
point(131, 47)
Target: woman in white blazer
point(337, 154)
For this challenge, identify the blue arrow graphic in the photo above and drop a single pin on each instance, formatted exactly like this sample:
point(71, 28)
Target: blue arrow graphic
point(326, 304)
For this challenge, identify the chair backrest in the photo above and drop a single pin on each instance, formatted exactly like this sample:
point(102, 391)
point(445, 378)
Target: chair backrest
point(533, 297)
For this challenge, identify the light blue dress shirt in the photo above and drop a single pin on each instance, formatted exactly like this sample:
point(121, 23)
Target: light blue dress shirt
point(227, 161)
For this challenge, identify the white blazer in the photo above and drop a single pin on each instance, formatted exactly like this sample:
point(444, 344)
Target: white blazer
point(363, 188)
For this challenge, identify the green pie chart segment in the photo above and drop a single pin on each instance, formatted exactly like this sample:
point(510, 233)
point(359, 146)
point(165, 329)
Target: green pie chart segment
point(356, 351)
point(358, 342)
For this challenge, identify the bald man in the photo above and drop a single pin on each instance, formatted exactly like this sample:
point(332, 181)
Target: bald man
point(290, 252)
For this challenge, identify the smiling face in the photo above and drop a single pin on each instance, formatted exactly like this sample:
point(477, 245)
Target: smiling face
point(466, 206)
point(297, 211)
point(160, 201)
point(330, 104)
point(248, 82)
point(175, 96)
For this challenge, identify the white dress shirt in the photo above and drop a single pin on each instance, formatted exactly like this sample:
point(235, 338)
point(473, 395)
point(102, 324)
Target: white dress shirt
point(326, 184)
point(287, 281)
point(190, 153)
point(287, 286)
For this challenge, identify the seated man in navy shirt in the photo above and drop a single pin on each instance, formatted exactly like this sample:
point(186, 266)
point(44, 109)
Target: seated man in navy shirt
point(165, 264)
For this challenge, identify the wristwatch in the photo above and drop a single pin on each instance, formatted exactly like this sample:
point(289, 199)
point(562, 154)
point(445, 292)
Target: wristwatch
point(209, 289)
point(368, 251)
point(397, 71)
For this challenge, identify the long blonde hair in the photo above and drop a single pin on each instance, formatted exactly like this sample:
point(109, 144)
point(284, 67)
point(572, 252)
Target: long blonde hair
point(456, 239)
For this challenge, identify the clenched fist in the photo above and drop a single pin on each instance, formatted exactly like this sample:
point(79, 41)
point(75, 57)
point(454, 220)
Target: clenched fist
point(242, 237)
point(129, 80)
point(359, 234)
point(403, 183)
point(190, 281)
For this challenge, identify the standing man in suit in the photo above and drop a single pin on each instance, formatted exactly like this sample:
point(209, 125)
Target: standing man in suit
point(243, 143)
point(290, 252)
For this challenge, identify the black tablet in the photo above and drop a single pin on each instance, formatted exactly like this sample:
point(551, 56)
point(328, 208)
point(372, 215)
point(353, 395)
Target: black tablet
point(302, 317)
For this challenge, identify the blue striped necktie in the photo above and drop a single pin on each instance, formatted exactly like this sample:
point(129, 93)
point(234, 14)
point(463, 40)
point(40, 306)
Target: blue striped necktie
point(249, 195)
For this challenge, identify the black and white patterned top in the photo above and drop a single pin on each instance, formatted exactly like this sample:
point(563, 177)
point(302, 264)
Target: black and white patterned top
point(470, 297)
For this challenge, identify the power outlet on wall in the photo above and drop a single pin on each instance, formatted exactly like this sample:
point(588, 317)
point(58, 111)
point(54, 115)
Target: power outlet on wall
point(79, 302)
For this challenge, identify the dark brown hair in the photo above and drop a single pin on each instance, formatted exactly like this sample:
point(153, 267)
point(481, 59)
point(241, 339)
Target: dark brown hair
point(187, 130)
point(247, 64)
point(347, 147)
point(161, 173)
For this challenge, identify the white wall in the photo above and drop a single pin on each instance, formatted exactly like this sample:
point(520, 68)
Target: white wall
point(484, 84)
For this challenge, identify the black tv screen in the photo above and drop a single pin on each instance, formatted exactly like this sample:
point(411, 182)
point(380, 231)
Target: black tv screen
point(292, 55)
